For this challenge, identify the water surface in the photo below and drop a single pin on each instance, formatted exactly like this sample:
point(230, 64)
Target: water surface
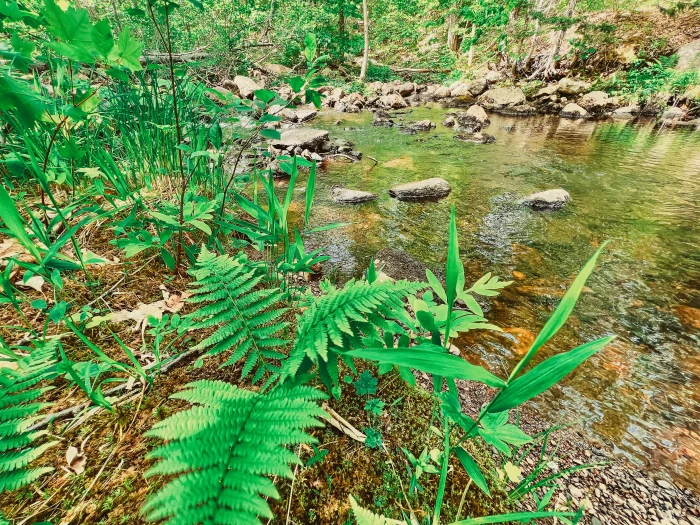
point(633, 184)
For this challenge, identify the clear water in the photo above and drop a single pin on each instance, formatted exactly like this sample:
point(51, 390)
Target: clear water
point(633, 184)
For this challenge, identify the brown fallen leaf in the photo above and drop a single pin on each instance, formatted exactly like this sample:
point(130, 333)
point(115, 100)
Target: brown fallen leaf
point(35, 282)
point(76, 460)
point(11, 248)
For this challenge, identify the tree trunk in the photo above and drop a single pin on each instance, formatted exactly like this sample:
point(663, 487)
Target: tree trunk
point(549, 69)
point(471, 46)
point(452, 37)
point(365, 56)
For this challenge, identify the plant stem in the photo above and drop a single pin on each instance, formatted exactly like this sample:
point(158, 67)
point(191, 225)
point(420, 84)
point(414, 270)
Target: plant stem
point(443, 472)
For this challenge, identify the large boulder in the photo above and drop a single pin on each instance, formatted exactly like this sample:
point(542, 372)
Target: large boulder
point(493, 77)
point(461, 90)
point(346, 196)
point(441, 92)
point(304, 138)
point(500, 98)
point(689, 57)
point(434, 188)
point(246, 86)
point(478, 86)
point(406, 89)
point(478, 114)
point(221, 94)
point(572, 88)
point(547, 200)
point(392, 101)
point(673, 113)
point(597, 102)
point(626, 112)
point(547, 91)
point(572, 110)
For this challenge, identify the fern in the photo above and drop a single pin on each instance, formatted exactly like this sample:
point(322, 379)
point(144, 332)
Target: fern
point(18, 410)
point(247, 319)
point(342, 319)
point(224, 447)
point(366, 517)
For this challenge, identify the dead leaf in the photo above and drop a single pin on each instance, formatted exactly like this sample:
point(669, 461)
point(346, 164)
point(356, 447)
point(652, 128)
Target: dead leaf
point(175, 302)
point(514, 473)
point(76, 460)
point(35, 282)
point(139, 315)
point(11, 248)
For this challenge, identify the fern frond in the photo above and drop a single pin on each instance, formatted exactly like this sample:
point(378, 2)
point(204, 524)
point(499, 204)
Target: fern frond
point(246, 317)
point(366, 517)
point(223, 450)
point(18, 410)
point(342, 318)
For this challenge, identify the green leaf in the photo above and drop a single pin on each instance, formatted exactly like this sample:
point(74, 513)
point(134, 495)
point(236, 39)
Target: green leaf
point(473, 470)
point(454, 264)
point(545, 375)
point(126, 52)
point(15, 223)
point(265, 95)
point(561, 314)
point(436, 285)
point(296, 83)
point(366, 517)
point(73, 30)
point(431, 359)
point(310, 190)
point(310, 46)
point(28, 105)
point(512, 518)
point(270, 134)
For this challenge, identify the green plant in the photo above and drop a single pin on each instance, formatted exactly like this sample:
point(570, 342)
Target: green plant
point(19, 408)
point(223, 448)
point(492, 423)
point(247, 318)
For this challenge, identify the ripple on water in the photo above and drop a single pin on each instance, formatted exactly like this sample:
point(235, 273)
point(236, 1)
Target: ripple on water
point(633, 184)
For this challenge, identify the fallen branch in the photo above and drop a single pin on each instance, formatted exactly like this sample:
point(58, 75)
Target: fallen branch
point(155, 57)
point(397, 69)
point(77, 409)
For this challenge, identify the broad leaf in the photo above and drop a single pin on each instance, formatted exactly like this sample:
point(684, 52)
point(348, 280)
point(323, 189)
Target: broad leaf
point(473, 470)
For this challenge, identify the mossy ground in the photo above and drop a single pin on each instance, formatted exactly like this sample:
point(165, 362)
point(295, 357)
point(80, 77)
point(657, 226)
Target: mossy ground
point(113, 487)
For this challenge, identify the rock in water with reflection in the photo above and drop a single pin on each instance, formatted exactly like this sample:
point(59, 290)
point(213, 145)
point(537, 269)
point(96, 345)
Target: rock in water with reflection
point(547, 200)
point(428, 189)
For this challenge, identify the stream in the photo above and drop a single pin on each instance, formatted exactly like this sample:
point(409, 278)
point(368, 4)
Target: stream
point(630, 183)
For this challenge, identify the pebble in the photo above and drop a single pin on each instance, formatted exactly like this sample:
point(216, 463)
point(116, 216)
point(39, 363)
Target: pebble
point(664, 484)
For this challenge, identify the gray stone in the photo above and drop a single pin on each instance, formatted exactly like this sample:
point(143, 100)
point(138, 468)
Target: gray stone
point(433, 188)
point(460, 90)
point(476, 138)
point(572, 110)
point(346, 196)
point(570, 87)
point(397, 264)
point(664, 484)
point(626, 112)
point(547, 91)
point(304, 138)
point(246, 86)
point(499, 98)
point(493, 77)
point(689, 56)
point(597, 101)
point(478, 113)
point(673, 113)
point(478, 86)
point(392, 101)
point(441, 92)
point(547, 200)
point(406, 89)
point(277, 69)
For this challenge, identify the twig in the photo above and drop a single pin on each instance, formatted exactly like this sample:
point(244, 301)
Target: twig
point(75, 410)
point(291, 490)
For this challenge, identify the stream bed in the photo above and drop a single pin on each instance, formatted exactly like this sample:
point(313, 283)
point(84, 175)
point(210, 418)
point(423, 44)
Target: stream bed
point(630, 183)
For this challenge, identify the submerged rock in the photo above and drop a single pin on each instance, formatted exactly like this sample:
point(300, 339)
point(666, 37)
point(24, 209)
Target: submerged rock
point(346, 196)
point(382, 118)
point(433, 188)
point(547, 200)
point(413, 127)
point(572, 110)
point(476, 138)
point(398, 265)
